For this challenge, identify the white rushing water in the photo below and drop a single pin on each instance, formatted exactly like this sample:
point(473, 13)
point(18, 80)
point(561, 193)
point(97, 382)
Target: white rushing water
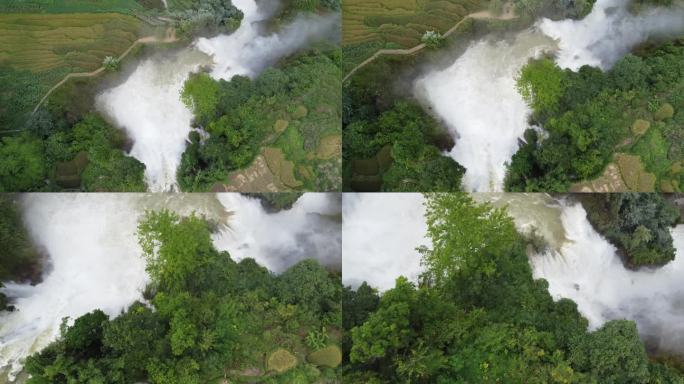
point(476, 97)
point(95, 261)
point(609, 32)
point(381, 232)
point(311, 228)
point(588, 270)
point(147, 104)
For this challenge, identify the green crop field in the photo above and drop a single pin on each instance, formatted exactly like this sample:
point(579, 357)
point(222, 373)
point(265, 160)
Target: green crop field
point(69, 6)
point(402, 22)
point(78, 42)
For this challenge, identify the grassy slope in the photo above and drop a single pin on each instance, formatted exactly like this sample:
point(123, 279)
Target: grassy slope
point(369, 26)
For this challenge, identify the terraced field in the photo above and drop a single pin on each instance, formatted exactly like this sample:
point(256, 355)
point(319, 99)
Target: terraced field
point(401, 22)
point(77, 42)
point(69, 6)
point(37, 50)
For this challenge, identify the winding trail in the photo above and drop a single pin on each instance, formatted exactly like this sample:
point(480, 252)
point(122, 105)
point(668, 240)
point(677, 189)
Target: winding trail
point(170, 37)
point(507, 14)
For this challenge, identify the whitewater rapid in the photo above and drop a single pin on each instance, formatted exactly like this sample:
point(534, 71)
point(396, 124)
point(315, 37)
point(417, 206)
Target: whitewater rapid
point(95, 260)
point(476, 97)
point(382, 231)
point(147, 104)
point(588, 270)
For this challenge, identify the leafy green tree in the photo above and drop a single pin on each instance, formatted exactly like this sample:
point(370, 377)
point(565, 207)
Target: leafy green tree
point(21, 164)
point(466, 234)
point(541, 85)
point(612, 354)
point(308, 285)
point(175, 248)
point(201, 95)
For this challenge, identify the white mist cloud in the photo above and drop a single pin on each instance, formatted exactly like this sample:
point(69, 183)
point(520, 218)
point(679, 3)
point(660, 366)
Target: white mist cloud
point(381, 232)
point(311, 229)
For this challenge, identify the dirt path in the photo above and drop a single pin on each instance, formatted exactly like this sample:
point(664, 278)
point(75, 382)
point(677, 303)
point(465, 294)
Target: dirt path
point(507, 14)
point(170, 37)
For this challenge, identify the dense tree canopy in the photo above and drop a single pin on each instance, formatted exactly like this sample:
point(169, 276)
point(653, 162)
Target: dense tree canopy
point(637, 223)
point(634, 108)
point(301, 109)
point(209, 318)
point(478, 316)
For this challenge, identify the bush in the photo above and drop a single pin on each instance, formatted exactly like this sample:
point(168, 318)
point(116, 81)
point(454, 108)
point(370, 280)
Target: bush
point(330, 356)
point(281, 361)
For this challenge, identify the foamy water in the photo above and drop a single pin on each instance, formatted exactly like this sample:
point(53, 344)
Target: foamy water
point(96, 262)
point(477, 99)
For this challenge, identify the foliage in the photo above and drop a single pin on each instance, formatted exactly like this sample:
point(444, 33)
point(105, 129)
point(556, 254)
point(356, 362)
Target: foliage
point(316, 339)
point(207, 318)
point(413, 164)
point(207, 17)
point(276, 201)
point(479, 316)
point(111, 63)
point(299, 93)
point(638, 224)
point(22, 167)
point(587, 116)
point(433, 39)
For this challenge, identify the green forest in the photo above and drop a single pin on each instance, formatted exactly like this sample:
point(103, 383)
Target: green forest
point(206, 319)
point(389, 143)
point(479, 316)
point(631, 115)
point(298, 131)
point(638, 224)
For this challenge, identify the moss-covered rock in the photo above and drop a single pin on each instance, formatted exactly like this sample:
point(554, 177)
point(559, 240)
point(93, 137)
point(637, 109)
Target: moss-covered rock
point(666, 111)
point(301, 112)
point(280, 126)
point(281, 361)
point(666, 186)
point(330, 356)
point(640, 127)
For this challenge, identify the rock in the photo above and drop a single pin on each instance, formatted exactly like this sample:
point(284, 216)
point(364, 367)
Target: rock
point(281, 361)
point(280, 125)
point(666, 111)
point(666, 186)
point(300, 112)
point(330, 356)
point(640, 127)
